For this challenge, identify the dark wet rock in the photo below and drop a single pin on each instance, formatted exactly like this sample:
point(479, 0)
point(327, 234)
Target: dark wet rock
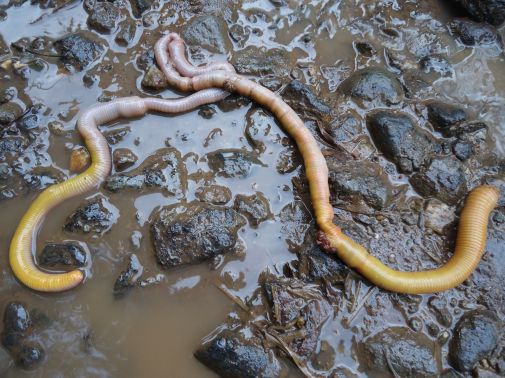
point(300, 310)
point(11, 183)
point(372, 84)
point(255, 207)
point(94, 217)
point(343, 128)
point(164, 169)
point(471, 33)
point(364, 48)
point(129, 277)
point(272, 83)
point(261, 130)
point(400, 140)
point(103, 16)
point(126, 33)
point(66, 254)
point(232, 162)
point(445, 117)
point(42, 177)
point(188, 234)
point(30, 356)
point(233, 102)
point(401, 350)
point(206, 111)
point(209, 31)
point(462, 150)
point(296, 220)
point(16, 318)
point(154, 79)
point(303, 100)
point(258, 62)
point(475, 336)
point(438, 216)
point(78, 50)
point(288, 160)
point(116, 136)
point(443, 179)
point(31, 118)
point(490, 11)
point(7, 94)
point(9, 112)
point(438, 305)
point(230, 353)
point(436, 65)
point(123, 158)
point(12, 145)
point(359, 183)
point(139, 7)
point(215, 194)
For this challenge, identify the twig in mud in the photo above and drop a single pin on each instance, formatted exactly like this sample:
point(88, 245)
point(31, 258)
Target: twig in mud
point(360, 305)
point(297, 360)
point(58, 8)
point(237, 300)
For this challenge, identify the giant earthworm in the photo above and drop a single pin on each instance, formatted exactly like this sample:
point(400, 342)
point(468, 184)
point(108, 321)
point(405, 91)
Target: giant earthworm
point(170, 56)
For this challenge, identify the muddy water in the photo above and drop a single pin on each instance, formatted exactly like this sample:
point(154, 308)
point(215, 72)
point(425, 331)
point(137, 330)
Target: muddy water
point(153, 331)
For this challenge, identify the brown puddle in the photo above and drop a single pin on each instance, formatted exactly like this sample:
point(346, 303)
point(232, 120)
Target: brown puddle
point(154, 330)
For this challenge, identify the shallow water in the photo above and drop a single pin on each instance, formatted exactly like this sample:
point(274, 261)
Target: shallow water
point(153, 331)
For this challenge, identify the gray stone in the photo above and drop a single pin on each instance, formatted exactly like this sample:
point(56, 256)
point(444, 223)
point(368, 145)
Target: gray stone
point(490, 11)
point(303, 100)
point(191, 233)
point(471, 33)
point(9, 112)
point(475, 336)
point(154, 79)
point(359, 182)
point(103, 16)
point(443, 179)
point(232, 162)
point(259, 62)
point(78, 50)
point(62, 254)
point(215, 194)
point(373, 84)
point(209, 31)
point(400, 140)
point(232, 354)
point(255, 207)
point(407, 353)
point(95, 217)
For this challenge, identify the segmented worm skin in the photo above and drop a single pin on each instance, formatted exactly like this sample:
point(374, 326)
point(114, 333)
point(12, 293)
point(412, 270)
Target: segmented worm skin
point(206, 81)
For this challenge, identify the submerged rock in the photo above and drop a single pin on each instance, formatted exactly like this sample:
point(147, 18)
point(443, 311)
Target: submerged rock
point(129, 277)
point(303, 100)
point(9, 112)
point(66, 254)
point(96, 216)
point(255, 207)
point(372, 84)
point(260, 62)
point(472, 33)
point(445, 117)
point(17, 328)
point(342, 129)
point(123, 158)
point(139, 7)
point(490, 11)
point(400, 140)
point(188, 234)
point(443, 179)
point(78, 50)
point(359, 184)
point(296, 220)
point(164, 169)
point(475, 336)
point(103, 17)
point(397, 349)
point(299, 310)
point(154, 79)
point(208, 31)
point(126, 33)
point(230, 353)
point(232, 162)
point(215, 194)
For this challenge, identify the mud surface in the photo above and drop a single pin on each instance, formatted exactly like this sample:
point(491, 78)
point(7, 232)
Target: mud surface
point(202, 241)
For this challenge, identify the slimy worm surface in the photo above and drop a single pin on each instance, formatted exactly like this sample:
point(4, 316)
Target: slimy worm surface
point(210, 84)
